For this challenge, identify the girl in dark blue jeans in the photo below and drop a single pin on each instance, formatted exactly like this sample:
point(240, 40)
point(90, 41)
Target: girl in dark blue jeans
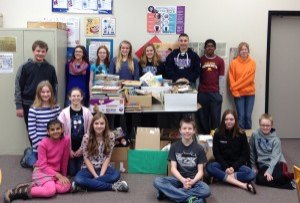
point(97, 145)
point(231, 151)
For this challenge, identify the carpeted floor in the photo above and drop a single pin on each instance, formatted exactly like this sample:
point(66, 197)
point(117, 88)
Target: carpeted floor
point(141, 189)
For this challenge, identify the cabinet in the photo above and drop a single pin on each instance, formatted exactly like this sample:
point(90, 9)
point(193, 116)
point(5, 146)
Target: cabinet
point(13, 136)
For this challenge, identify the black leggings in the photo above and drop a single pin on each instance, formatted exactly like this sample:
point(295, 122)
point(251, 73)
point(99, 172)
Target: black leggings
point(281, 177)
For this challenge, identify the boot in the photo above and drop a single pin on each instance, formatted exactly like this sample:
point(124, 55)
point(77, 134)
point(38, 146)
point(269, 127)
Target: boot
point(16, 193)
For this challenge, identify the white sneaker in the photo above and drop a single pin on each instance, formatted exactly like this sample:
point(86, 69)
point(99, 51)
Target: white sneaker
point(120, 186)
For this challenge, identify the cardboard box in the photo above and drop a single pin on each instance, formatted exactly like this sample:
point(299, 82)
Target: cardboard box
point(142, 100)
point(108, 105)
point(147, 138)
point(180, 102)
point(147, 162)
point(119, 159)
point(58, 25)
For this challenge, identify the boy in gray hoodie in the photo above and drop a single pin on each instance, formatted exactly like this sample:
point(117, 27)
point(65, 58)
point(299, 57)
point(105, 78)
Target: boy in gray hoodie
point(266, 157)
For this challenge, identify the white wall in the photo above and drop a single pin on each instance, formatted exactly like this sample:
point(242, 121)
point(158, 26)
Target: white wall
point(230, 21)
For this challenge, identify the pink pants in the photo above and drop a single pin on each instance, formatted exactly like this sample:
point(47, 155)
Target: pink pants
point(49, 189)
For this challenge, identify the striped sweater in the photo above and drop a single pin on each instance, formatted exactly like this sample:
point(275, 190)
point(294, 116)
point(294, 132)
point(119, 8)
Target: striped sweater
point(37, 123)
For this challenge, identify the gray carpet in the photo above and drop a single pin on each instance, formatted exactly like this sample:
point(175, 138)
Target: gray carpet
point(141, 189)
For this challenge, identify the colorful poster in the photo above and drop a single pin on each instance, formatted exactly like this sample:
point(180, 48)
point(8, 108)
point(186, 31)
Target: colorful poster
point(92, 27)
point(165, 19)
point(93, 44)
point(108, 27)
point(82, 6)
point(6, 62)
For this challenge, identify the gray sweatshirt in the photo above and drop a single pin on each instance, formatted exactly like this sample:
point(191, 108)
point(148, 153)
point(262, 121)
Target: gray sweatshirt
point(265, 150)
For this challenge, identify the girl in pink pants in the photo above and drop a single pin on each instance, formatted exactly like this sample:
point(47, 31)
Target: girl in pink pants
point(49, 174)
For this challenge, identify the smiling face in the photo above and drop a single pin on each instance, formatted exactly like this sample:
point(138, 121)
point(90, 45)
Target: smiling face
point(102, 54)
point(229, 121)
point(45, 94)
point(55, 131)
point(210, 49)
point(39, 54)
point(99, 126)
point(149, 52)
point(265, 126)
point(76, 97)
point(183, 43)
point(78, 53)
point(187, 131)
point(244, 52)
point(125, 49)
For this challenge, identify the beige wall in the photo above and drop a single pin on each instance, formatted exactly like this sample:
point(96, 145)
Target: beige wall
point(230, 21)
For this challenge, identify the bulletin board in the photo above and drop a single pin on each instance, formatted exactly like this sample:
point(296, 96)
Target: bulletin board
point(82, 6)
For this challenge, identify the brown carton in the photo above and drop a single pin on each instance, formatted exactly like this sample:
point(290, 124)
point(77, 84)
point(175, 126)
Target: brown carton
point(58, 25)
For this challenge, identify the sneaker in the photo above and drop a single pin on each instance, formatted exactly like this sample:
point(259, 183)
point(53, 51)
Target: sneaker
point(192, 199)
point(293, 184)
point(75, 188)
point(120, 186)
point(25, 156)
point(160, 195)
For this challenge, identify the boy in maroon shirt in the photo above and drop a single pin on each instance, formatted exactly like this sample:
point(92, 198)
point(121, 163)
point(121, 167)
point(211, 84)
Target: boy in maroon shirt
point(211, 88)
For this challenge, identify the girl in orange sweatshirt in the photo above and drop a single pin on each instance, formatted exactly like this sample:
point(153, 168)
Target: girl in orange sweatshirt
point(241, 78)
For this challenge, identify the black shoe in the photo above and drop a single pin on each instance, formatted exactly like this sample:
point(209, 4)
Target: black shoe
point(16, 193)
point(160, 195)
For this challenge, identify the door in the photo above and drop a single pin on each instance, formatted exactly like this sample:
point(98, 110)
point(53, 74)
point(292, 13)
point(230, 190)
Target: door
point(284, 75)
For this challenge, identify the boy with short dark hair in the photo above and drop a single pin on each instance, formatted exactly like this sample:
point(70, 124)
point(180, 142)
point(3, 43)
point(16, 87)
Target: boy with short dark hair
point(183, 64)
point(187, 159)
point(211, 88)
point(29, 75)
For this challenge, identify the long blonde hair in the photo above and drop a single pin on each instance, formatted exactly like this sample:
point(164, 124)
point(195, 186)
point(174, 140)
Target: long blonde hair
point(144, 60)
point(129, 58)
point(38, 102)
point(92, 145)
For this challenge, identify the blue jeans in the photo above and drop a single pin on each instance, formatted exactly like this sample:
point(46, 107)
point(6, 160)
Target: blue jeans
point(85, 179)
point(243, 174)
point(244, 107)
point(74, 165)
point(31, 159)
point(173, 189)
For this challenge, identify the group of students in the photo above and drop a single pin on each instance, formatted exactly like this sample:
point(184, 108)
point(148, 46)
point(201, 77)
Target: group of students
point(86, 143)
point(235, 161)
point(71, 142)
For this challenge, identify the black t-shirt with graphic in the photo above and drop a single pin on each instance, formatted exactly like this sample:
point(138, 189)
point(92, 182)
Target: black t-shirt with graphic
point(77, 128)
point(187, 158)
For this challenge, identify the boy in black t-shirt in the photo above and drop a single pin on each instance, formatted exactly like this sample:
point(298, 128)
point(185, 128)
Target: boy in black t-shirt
point(187, 159)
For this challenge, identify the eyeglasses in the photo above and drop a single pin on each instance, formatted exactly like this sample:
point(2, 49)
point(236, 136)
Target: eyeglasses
point(265, 126)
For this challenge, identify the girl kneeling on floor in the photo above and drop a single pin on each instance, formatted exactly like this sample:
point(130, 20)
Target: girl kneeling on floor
point(231, 151)
point(49, 174)
point(96, 174)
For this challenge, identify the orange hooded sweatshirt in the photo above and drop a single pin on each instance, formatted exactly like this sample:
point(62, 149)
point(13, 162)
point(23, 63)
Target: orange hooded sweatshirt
point(241, 77)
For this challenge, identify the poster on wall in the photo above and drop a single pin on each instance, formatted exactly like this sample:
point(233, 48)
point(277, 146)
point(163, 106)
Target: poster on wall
point(6, 62)
point(93, 44)
point(165, 19)
point(82, 6)
point(73, 29)
point(108, 27)
point(92, 26)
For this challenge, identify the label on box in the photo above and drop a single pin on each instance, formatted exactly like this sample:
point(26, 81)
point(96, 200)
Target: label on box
point(109, 105)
